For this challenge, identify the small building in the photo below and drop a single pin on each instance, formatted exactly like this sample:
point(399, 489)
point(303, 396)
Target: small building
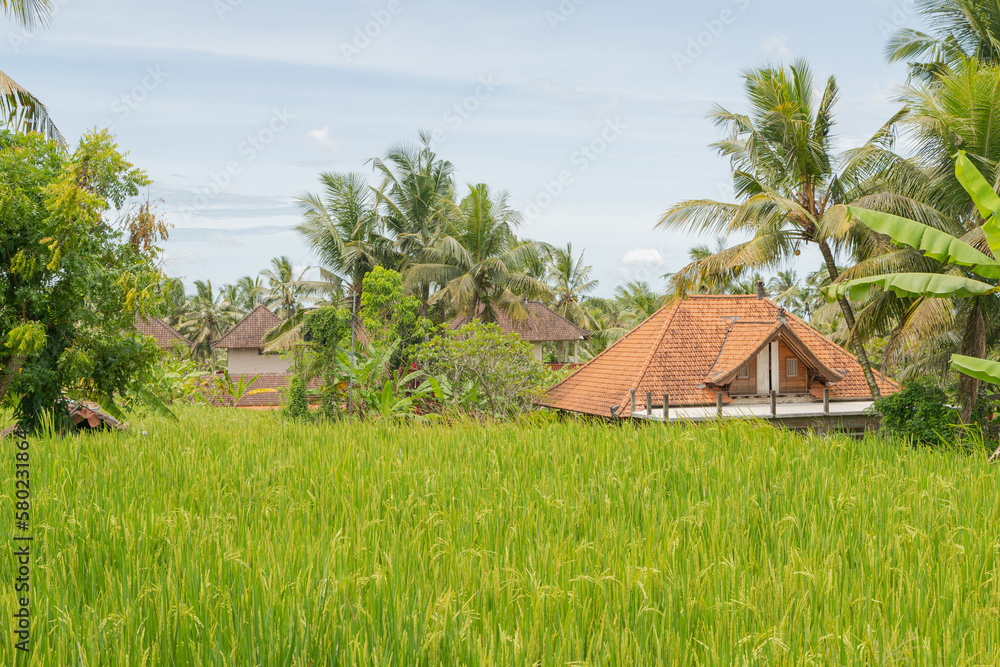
point(166, 337)
point(244, 344)
point(543, 325)
point(713, 356)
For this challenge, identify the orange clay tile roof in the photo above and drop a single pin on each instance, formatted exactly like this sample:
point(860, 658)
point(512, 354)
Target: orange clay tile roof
point(164, 334)
point(674, 350)
point(746, 339)
point(543, 324)
point(250, 332)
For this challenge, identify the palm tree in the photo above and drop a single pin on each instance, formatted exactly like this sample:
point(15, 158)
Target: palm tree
point(342, 226)
point(285, 291)
point(416, 198)
point(206, 318)
point(570, 280)
point(961, 29)
point(250, 293)
point(959, 110)
point(787, 182)
point(638, 302)
point(786, 291)
point(481, 263)
point(22, 110)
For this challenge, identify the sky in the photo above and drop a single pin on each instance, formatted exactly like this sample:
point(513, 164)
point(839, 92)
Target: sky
point(591, 113)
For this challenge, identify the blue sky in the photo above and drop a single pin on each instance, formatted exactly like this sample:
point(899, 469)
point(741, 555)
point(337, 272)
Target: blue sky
point(234, 106)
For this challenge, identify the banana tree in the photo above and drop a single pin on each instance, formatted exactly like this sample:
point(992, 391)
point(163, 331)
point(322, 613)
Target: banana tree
point(959, 258)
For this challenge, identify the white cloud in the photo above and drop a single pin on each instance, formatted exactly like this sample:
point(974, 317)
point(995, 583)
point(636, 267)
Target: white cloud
point(643, 257)
point(777, 44)
point(322, 137)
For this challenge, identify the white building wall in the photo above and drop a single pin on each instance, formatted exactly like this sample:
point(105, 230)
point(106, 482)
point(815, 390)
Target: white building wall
point(251, 362)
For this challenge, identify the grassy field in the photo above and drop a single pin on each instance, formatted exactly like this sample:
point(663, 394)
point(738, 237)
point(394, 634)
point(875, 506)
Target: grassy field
point(239, 539)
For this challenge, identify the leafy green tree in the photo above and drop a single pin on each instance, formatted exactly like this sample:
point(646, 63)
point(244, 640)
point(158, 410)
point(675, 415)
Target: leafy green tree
point(920, 412)
point(74, 273)
point(638, 302)
point(390, 318)
point(480, 264)
point(570, 280)
point(787, 179)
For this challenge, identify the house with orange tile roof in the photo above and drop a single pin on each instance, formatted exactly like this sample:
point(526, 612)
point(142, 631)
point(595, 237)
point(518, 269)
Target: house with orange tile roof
point(543, 325)
point(244, 344)
point(706, 357)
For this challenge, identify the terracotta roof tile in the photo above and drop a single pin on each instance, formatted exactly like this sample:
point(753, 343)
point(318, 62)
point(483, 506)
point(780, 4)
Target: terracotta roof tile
point(674, 350)
point(250, 332)
point(543, 324)
point(164, 334)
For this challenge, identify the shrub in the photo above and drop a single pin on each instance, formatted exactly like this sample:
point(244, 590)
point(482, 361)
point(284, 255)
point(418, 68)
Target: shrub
point(921, 412)
point(298, 402)
point(501, 368)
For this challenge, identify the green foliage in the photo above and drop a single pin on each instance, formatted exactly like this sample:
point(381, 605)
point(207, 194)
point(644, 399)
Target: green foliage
point(327, 326)
point(389, 316)
point(500, 366)
point(549, 543)
point(74, 271)
point(297, 406)
point(919, 411)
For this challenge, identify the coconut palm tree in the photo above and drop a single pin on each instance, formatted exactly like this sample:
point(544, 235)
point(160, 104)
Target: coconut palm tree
point(481, 264)
point(788, 179)
point(22, 111)
point(570, 281)
point(342, 226)
point(960, 30)
point(416, 202)
point(206, 318)
point(638, 302)
point(250, 293)
point(285, 291)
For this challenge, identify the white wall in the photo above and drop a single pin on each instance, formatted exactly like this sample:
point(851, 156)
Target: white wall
point(250, 362)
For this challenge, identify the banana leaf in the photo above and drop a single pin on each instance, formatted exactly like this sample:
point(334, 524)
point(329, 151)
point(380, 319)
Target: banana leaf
point(981, 369)
point(983, 195)
point(931, 242)
point(910, 284)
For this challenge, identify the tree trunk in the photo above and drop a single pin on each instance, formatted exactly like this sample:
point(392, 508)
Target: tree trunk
point(973, 345)
point(845, 306)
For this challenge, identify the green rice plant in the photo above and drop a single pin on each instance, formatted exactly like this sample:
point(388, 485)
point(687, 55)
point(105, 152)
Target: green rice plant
point(238, 538)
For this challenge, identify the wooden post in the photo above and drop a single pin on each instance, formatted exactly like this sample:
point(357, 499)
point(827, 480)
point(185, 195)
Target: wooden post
point(718, 404)
point(649, 404)
point(666, 407)
point(631, 402)
point(826, 400)
point(774, 404)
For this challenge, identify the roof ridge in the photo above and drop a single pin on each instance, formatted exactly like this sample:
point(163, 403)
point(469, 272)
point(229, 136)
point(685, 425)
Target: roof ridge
point(241, 322)
point(674, 305)
point(652, 351)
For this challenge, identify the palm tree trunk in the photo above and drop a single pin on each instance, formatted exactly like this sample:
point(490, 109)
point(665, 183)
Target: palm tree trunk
point(845, 306)
point(973, 345)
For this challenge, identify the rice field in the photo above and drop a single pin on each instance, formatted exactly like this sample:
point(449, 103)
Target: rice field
point(237, 538)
